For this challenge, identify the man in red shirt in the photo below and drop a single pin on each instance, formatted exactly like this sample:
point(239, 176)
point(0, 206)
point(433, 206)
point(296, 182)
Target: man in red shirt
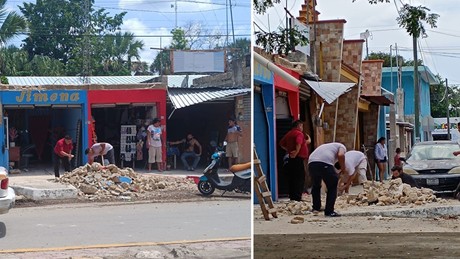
point(63, 153)
point(295, 143)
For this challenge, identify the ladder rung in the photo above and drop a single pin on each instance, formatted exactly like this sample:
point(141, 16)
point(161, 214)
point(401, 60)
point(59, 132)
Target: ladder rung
point(256, 161)
point(272, 210)
point(266, 194)
point(262, 179)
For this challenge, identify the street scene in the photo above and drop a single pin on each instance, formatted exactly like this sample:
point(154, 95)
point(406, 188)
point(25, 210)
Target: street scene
point(126, 129)
point(356, 130)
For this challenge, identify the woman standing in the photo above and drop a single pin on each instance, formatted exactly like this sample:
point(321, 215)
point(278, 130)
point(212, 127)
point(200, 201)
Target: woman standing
point(381, 157)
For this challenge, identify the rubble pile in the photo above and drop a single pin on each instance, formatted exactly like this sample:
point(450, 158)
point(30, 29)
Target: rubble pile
point(98, 182)
point(394, 192)
point(294, 208)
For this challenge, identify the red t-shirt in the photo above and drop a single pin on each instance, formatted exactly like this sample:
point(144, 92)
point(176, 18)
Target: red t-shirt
point(292, 138)
point(62, 146)
point(396, 160)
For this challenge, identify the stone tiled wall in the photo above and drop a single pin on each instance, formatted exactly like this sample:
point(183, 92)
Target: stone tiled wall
point(372, 77)
point(346, 119)
point(330, 35)
point(370, 122)
point(352, 53)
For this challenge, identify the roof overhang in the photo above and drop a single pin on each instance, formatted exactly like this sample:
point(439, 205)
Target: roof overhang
point(184, 97)
point(329, 91)
point(378, 99)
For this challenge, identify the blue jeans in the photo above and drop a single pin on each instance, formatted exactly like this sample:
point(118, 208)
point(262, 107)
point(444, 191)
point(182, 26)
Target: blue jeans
point(190, 154)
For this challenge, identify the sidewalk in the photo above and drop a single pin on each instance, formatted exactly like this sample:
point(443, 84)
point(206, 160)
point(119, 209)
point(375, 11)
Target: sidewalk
point(40, 185)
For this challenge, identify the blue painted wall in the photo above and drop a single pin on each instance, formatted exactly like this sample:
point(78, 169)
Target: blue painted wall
point(390, 83)
point(66, 117)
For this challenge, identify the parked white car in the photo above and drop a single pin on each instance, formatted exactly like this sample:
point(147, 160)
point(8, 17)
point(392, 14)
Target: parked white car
point(7, 195)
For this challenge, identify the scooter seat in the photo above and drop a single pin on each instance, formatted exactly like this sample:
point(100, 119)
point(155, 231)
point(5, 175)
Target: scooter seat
point(240, 167)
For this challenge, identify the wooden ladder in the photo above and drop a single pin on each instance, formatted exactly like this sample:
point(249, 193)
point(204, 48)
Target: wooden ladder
point(263, 193)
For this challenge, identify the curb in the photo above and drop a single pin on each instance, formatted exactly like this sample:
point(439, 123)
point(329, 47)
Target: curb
point(46, 194)
point(412, 212)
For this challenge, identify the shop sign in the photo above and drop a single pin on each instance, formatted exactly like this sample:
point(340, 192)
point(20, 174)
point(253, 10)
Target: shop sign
point(262, 74)
point(42, 97)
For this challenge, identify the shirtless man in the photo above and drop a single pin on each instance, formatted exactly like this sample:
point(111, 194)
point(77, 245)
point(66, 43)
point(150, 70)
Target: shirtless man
point(189, 152)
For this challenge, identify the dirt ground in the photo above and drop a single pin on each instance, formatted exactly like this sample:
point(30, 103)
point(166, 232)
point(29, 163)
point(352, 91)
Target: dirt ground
point(356, 236)
point(358, 245)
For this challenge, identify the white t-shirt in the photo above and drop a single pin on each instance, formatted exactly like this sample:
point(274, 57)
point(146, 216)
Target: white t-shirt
point(352, 159)
point(97, 149)
point(327, 153)
point(155, 136)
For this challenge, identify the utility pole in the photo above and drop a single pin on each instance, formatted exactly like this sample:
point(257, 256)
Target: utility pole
point(226, 21)
point(231, 18)
point(86, 49)
point(449, 137)
point(365, 35)
point(392, 142)
point(416, 92)
point(175, 11)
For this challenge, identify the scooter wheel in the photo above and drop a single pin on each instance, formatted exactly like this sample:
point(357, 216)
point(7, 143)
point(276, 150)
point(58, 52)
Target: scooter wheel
point(205, 187)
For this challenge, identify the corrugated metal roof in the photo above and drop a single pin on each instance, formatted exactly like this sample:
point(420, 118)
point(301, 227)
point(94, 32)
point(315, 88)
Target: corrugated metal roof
point(329, 91)
point(178, 80)
point(75, 80)
point(183, 97)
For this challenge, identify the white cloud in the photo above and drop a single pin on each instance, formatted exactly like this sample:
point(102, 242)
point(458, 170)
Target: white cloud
point(169, 6)
point(137, 27)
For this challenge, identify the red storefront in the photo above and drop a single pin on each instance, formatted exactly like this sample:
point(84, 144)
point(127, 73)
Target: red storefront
point(287, 103)
point(121, 116)
point(290, 90)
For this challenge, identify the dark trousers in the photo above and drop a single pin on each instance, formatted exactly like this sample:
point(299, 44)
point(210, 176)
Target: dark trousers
point(295, 172)
point(110, 156)
point(57, 163)
point(320, 171)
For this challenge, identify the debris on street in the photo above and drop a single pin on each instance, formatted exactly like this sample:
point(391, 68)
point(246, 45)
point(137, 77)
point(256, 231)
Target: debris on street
point(97, 182)
point(393, 192)
point(374, 194)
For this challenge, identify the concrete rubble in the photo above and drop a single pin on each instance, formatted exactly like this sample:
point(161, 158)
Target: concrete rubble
point(393, 192)
point(374, 194)
point(97, 182)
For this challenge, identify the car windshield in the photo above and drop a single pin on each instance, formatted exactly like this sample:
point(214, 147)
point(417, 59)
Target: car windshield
point(433, 152)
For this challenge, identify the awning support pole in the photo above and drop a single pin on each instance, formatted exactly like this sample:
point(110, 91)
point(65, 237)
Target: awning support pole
point(335, 119)
point(170, 115)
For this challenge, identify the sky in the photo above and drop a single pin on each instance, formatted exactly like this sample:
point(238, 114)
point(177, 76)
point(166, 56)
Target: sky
point(440, 51)
point(148, 19)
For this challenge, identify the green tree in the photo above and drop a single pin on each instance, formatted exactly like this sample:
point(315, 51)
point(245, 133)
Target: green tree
point(238, 49)
point(439, 99)
point(282, 40)
point(162, 62)
point(56, 27)
point(12, 24)
point(16, 62)
point(412, 18)
point(386, 59)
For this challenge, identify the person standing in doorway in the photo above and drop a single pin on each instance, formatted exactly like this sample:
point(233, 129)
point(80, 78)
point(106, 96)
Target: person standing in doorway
point(62, 154)
point(381, 158)
point(233, 133)
point(295, 143)
point(321, 167)
point(154, 135)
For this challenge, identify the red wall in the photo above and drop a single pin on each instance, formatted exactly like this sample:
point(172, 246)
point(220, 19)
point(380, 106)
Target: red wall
point(292, 91)
point(157, 96)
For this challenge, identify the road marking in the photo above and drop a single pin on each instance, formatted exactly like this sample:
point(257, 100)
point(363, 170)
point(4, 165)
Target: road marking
point(31, 250)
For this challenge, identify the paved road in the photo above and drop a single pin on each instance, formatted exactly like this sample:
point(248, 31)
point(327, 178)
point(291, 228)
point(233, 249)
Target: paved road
point(88, 225)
